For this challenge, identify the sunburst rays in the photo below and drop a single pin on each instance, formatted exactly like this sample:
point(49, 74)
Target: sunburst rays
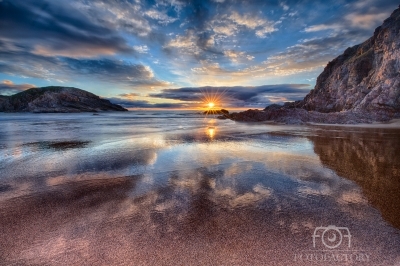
point(213, 100)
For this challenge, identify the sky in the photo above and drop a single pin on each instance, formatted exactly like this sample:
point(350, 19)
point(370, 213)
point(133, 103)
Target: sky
point(179, 53)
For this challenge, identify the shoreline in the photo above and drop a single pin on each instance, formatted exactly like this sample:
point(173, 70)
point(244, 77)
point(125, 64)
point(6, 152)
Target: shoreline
point(394, 123)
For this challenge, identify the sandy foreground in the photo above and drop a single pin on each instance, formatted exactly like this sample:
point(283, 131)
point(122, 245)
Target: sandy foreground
point(196, 193)
point(97, 221)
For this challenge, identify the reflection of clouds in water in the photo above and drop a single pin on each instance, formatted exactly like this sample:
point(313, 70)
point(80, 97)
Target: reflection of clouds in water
point(223, 194)
point(352, 196)
point(321, 191)
point(249, 198)
point(117, 156)
point(183, 187)
point(234, 182)
point(238, 168)
point(196, 202)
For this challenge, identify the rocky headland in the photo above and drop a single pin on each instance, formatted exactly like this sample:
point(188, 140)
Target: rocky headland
point(56, 100)
point(360, 86)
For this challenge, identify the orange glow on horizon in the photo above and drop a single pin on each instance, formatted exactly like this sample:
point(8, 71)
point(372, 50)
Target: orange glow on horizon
point(212, 99)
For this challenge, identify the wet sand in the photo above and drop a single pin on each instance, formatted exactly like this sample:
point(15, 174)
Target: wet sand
point(394, 123)
point(213, 193)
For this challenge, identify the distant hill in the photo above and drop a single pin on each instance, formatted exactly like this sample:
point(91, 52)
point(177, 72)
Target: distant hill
point(56, 100)
point(360, 86)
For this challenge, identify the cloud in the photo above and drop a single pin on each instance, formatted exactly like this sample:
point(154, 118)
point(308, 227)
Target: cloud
point(278, 65)
point(24, 64)
point(285, 7)
point(362, 16)
point(186, 43)
point(250, 57)
point(351, 21)
point(115, 71)
point(131, 95)
point(142, 49)
point(178, 5)
point(138, 45)
point(161, 17)
point(227, 29)
point(365, 21)
point(125, 16)
point(307, 56)
point(261, 25)
point(234, 56)
point(231, 24)
point(50, 29)
point(205, 28)
point(238, 95)
point(310, 55)
point(7, 87)
point(145, 104)
point(248, 21)
point(192, 43)
point(321, 27)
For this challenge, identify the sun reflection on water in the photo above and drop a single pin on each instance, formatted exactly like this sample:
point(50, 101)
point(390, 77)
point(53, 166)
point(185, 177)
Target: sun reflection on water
point(211, 132)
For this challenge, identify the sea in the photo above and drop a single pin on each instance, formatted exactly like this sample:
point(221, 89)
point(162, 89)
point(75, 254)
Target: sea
point(183, 188)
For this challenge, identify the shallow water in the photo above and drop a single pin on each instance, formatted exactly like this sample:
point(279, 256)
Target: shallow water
point(177, 188)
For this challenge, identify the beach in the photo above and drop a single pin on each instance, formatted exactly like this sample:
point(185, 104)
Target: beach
point(178, 187)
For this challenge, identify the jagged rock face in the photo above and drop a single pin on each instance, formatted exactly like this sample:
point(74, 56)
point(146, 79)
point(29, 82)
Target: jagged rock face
point(56, 100)
point(365, 77)
point(360, 86)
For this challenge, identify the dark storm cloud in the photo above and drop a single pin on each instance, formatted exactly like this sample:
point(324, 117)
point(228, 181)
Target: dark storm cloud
point(145, 104)
point(237, 93)
point(47, 40)
point(17, 62)
point(25, 64)
point(239, 96)
point(55, 28)
point(118, 71)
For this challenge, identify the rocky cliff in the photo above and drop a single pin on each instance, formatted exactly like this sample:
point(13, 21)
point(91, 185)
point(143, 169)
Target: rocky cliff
point(361, 85)
point(365, 77)
point(56, 100)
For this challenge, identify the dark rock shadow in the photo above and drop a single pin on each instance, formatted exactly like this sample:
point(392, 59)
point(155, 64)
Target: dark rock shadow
point(371, 159)
point(59, 145)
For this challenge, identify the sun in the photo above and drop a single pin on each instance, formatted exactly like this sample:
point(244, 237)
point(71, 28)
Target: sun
point(211, 99)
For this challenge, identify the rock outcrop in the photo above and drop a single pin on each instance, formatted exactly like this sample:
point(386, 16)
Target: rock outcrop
point(56, 100)
point(361, 85)
point(365, 77)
